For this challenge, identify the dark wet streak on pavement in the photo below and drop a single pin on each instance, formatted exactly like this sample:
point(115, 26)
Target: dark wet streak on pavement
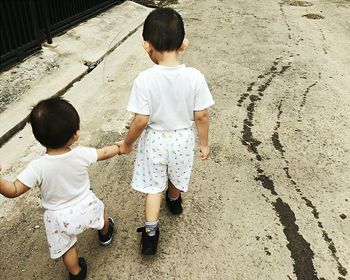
point(300, 249)
point(279, 147)
point(298, 246)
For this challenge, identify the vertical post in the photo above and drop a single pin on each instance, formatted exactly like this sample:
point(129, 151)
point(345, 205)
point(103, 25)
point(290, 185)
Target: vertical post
point(34, 15)
point(46, 21)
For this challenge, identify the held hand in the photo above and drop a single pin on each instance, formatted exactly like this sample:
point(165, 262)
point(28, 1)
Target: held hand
point(204, 152)
point(123, 148)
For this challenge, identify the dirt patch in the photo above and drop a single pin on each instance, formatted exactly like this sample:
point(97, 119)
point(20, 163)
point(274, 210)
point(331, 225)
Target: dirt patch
point(18, 80)
point(313, 16)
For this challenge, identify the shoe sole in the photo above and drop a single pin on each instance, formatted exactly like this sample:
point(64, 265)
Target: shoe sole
point(110, 240)
point(148, 252)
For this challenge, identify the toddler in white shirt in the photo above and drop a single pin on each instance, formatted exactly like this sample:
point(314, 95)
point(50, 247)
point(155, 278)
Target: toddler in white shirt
point(62, 176)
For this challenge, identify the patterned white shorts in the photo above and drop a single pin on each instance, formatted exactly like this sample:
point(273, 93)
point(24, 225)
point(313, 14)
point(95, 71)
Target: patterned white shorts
point(163, 155)
point(62, 226)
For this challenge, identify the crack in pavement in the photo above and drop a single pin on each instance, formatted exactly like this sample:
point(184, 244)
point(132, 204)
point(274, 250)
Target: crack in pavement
point(324, 41)
point(305, 95)
point(285, 20)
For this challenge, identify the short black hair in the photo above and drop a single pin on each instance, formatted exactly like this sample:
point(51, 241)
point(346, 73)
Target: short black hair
point(54, 121)
point(164, 29)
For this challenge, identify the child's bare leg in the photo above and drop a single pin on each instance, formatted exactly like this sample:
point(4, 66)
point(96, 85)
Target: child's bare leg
point(152, 207)
point(71, 261)
point(172, 190)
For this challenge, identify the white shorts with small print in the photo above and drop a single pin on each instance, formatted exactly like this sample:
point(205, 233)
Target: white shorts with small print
point(62, 226)
point(163, 155)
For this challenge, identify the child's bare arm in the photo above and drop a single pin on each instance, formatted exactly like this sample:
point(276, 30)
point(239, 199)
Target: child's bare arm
point(108, 152)
point(12, 189)
point(137, 126)
point(202, 122)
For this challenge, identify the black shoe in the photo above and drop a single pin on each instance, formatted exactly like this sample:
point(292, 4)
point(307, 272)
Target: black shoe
point(148, 243)
point(105, 240)
point(174, 206)
point(83, 271)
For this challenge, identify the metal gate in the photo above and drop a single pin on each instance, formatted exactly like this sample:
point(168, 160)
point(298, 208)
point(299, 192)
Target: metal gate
point(25, 24)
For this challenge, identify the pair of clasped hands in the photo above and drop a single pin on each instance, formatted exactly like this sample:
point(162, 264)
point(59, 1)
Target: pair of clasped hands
point(124, 149)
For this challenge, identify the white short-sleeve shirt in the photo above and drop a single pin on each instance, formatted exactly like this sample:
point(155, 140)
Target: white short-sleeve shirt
point(63, 179)
point(169, 96)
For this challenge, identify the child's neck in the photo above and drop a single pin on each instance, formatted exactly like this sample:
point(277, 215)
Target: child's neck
point(169, 59)
point(58, 151)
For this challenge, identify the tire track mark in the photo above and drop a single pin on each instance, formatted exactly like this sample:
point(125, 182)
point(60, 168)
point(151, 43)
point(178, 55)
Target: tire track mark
point(300, 249)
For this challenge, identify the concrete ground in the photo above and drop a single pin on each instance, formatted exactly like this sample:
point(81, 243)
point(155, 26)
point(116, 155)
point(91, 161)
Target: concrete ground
point(273, 202)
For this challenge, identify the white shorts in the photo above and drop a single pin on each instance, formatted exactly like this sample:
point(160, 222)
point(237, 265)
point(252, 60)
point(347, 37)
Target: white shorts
point(62, 226)
point(163, 155)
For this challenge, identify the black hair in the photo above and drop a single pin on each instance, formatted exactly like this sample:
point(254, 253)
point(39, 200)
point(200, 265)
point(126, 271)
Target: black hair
point(164, 29)
point(54, 121)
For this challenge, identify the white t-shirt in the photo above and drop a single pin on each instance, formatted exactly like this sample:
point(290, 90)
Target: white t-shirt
point(63, 179)
point(169, 95)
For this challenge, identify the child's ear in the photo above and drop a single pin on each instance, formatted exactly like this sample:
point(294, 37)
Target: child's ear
point(76, 136)
point(147, 46)
point(184, 45)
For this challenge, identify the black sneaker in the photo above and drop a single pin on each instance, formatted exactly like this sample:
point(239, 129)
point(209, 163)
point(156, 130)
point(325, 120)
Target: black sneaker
point(174, 206)
point(105, 240)
point(82, 273)
point(148, 243)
